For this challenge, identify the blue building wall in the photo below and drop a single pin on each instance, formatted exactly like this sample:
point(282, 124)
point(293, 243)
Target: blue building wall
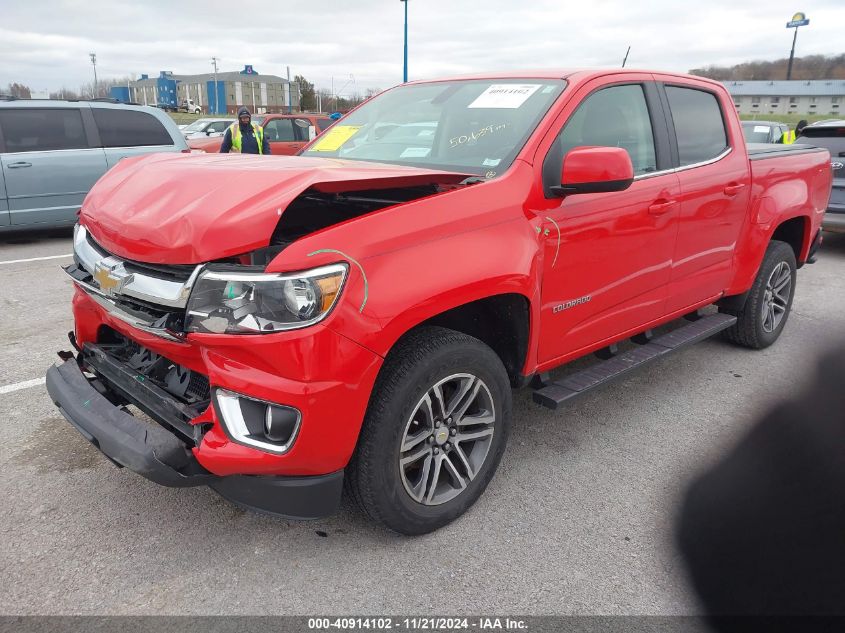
point(120, 93)
point(166, 88)
point(221, 97)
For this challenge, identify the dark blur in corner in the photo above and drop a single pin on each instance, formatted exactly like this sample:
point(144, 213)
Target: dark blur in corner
point(763, 531)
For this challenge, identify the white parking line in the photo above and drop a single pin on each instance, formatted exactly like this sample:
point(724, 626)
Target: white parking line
point(26, 384)
point(35, 259)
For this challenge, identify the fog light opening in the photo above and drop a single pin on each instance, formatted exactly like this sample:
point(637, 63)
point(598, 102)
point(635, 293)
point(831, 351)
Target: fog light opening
point(280, 423)
point(264, 425)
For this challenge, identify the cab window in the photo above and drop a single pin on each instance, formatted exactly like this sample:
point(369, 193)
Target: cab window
point(616, 116)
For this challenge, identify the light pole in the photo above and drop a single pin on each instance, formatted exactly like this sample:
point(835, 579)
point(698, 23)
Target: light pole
point(799, 19)
point(405, 67)
point(214, 63)
point(94, 64)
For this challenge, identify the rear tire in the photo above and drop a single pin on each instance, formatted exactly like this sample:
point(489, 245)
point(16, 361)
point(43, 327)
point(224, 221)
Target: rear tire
point(766, 310)
point(421, 464)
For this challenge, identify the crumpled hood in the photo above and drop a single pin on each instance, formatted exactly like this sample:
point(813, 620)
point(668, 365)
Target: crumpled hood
point(193, 208)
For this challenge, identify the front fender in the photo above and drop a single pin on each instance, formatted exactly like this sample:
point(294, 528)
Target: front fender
point(411, 262)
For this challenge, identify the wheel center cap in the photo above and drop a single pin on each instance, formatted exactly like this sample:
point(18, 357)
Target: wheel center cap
point(441, 436)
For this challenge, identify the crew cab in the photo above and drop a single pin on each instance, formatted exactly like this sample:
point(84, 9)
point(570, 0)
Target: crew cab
point(361, 312)
point(286, 133)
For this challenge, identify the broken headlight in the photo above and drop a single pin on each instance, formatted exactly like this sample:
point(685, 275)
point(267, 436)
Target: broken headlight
point(224, 302)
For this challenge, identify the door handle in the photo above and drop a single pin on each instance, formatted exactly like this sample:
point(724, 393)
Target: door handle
point(661, 206)
point(19, 164)
point(734, 188)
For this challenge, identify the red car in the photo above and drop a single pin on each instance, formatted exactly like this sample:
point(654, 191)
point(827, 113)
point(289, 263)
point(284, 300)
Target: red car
point(286, 133)
point(362, 312)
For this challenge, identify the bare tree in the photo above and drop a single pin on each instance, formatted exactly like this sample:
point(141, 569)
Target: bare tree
point(806, 68)
point(19, 90)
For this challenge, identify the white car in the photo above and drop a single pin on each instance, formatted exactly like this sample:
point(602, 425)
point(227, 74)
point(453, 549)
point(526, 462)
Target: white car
point(206, 128)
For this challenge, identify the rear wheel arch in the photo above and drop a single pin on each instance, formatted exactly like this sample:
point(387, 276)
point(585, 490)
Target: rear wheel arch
point(795, 232)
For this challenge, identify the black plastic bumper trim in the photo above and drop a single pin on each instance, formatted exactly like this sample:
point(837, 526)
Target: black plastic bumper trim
point(160, 456)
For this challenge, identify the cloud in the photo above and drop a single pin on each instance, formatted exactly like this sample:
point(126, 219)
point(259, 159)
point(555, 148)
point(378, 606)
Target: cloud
point(47, 47)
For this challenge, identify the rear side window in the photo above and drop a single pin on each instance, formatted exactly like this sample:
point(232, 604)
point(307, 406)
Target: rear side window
point(699, 126)
point(324, 123)
point(129, 128)
point(28, 130)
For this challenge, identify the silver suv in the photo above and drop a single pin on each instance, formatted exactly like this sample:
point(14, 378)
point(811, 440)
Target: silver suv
point(52, 152)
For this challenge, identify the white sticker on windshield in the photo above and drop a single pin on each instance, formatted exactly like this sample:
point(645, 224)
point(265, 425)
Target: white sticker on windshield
point(491, 162)
point(415, 152)
point(504, 96)
point(761, 128)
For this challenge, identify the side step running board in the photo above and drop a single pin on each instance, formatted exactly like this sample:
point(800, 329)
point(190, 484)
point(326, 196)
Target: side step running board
point(556, 393)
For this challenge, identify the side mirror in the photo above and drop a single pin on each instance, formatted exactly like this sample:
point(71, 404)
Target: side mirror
point(595, 170)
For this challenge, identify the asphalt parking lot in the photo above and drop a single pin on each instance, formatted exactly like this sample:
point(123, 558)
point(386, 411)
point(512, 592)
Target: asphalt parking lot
point(578, 519)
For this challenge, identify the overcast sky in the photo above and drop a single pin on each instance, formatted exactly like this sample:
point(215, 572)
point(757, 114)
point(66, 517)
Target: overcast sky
point(45, 43)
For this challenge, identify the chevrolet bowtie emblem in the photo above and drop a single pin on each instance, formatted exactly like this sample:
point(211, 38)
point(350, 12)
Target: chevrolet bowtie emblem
point(111, 276)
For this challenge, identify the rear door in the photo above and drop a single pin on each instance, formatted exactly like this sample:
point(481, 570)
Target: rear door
point(715, 180)
point(49, 164)
point(125, 132)
point(287, 135)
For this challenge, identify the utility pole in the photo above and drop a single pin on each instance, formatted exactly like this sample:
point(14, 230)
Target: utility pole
point(94, 64)
point(214, 63)
point(290, 95)
point(799, 19)
point(405, 65)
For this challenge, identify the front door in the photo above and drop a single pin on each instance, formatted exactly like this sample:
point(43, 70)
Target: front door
point(47, 164)
point(607, 256)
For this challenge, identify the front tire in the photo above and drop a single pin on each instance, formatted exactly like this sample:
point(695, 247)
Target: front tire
point(766, 310)
point(434, 433)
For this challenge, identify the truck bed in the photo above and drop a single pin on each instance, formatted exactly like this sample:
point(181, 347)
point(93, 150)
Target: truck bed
point(763, 151)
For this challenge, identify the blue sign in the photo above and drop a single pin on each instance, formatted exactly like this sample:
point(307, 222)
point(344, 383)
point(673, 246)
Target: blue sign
point(799, 19)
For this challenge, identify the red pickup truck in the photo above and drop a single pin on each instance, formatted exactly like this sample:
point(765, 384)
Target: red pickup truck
point(286, 133)
point(360, 313)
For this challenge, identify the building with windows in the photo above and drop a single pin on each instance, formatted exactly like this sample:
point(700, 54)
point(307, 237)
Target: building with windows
point(262, 94)
point(820, 96)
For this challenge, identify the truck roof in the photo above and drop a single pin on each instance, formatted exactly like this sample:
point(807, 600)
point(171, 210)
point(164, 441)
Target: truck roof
point(567, 73)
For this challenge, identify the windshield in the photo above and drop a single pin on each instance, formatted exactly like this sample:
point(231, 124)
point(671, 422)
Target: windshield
point(196, 126)
point(755, 133)
point(471, 126)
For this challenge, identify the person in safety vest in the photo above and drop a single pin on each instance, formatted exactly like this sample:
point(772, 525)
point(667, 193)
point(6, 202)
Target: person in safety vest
point(244, 136)
point(790, 135)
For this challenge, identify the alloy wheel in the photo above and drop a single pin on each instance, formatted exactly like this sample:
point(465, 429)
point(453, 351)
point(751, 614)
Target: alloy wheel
point(776, 297)
point(447, 439)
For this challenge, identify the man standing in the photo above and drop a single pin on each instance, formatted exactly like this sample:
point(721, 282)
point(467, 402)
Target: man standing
point(244, 136)
point(790, 135)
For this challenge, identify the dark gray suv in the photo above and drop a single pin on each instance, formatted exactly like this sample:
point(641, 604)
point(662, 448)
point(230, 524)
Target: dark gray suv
point(52, 152)
point(831, 135)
